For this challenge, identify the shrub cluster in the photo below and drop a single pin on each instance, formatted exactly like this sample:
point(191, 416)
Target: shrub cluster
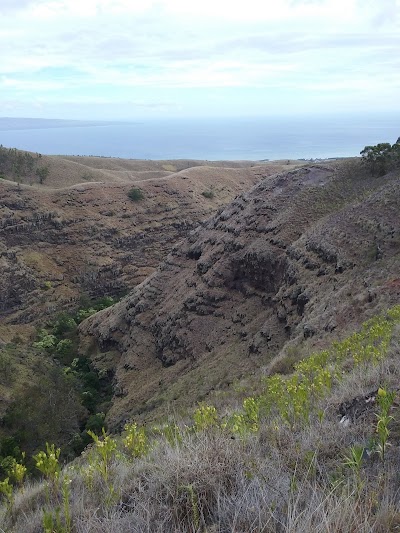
point(68, 396)
point(208, 194)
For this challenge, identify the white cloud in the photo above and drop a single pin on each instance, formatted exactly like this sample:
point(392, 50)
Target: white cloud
point(51, 48)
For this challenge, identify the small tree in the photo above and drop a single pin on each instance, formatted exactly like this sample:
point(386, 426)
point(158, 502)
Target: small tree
point(42, 173)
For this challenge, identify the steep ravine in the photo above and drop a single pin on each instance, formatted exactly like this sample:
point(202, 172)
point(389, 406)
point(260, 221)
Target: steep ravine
point(57, 245)
point(301, 255)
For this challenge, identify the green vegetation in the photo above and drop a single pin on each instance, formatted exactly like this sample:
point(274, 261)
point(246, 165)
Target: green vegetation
point(382, 157)
point(15, 164)
point(135, 440)
point(208, 194)
point(275, 464)
point(385, 402)
point(64, 398)
point(136, 195)
point(42, 173)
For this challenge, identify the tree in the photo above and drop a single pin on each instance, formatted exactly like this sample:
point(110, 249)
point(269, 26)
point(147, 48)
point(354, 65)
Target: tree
point(377, 157)
point(42, 173)
point(382, 157)
point(396, 153)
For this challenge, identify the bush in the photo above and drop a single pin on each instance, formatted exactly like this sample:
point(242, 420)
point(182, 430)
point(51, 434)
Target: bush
point(136, 195)
point(96, 423)
point(208, 194)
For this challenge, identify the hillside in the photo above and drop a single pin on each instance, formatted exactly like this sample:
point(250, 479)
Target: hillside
point(68, 251)
point(303, 256)
point(279, 313)
point(91, 239)
point(57, 171)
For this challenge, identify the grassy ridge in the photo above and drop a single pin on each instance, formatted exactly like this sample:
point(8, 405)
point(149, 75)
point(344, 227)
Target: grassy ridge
point(280, 463)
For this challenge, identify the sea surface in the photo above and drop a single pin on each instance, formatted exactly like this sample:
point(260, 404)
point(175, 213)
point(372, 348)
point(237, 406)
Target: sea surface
point(211, 139)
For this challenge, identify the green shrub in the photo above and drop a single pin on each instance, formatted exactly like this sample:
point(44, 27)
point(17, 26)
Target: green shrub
point(46, 341)
point(208, 194)
point(64, 348)
point(48, 462)
point(82, 314)
point(96, 423)
point(136, 195)
point(205, 417)
point(64, 323)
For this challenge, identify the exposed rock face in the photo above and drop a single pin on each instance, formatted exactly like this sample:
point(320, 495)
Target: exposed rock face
point(56, 245)
point(299, 255)
point(351, 410)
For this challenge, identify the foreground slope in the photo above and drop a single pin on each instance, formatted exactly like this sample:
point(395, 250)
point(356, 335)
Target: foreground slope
point(301, 255)
point(282, 462)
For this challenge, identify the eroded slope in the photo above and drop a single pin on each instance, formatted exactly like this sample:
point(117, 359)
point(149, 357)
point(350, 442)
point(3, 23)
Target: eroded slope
point(300, 255)
point(91, 239)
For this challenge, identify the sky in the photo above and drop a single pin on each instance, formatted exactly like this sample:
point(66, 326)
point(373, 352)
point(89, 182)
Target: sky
point(136, 59)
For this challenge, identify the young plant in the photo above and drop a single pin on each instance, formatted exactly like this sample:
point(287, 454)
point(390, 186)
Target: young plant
point(194, 504)
point(354, 461)
point(100, 460)
point(135, 440)
point(172, 434)
point(104, 451)
point(249, 420)
point(16, 471)
point(66, 495)
point(251, 407)
point(48, 463)
point(204, 417)
point(6, 489)
point(385, 401)
point(52, 524)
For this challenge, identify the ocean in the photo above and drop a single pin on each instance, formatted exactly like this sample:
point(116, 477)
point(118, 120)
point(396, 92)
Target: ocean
point(213, 139)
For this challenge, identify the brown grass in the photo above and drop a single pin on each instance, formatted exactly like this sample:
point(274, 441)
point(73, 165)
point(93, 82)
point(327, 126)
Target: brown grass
point(279, 480)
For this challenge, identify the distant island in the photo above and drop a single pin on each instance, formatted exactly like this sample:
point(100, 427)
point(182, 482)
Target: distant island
point(12, 123)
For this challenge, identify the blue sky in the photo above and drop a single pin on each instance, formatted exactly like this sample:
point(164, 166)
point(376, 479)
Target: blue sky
point(129, 59)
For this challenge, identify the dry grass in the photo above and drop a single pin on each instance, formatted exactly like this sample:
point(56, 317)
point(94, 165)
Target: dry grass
point(280, 479)
point(65, 171)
